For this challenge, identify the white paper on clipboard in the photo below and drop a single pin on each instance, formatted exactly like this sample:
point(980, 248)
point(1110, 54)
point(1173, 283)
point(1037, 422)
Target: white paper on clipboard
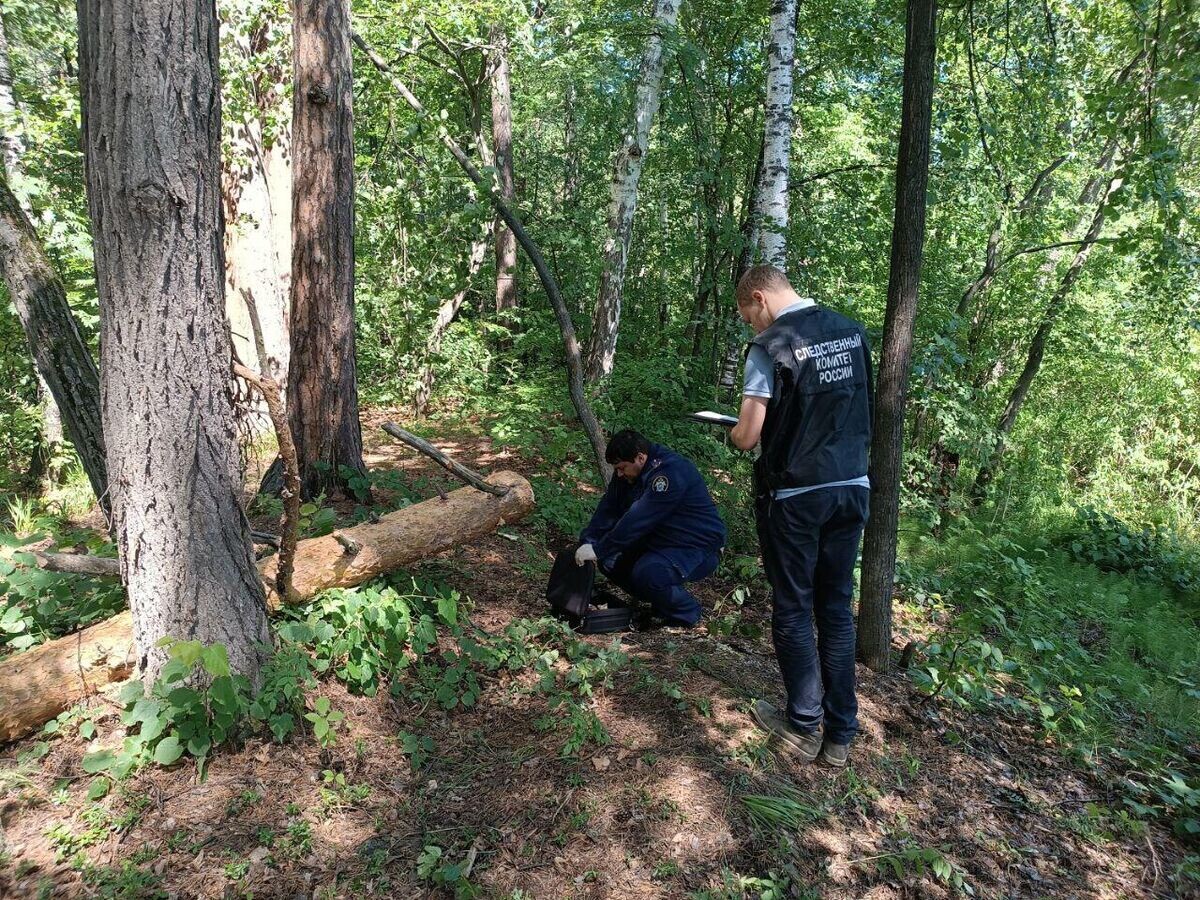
point(713, 418)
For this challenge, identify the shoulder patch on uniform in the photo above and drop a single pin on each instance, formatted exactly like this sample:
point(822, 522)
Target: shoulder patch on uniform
point(660, 484)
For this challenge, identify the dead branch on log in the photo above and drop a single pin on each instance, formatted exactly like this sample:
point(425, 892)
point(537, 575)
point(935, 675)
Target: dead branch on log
point(262, 537)
point(349, 544)
point(457, 469)
point(75, 563)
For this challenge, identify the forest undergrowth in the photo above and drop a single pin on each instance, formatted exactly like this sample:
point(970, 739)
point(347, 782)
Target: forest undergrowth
point(439, 734)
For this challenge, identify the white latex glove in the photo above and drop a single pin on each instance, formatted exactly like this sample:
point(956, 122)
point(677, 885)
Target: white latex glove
point(585, 554)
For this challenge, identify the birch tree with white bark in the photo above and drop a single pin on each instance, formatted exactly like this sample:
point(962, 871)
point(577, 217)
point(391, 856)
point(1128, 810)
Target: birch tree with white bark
point(771, 200)
point(627, 172)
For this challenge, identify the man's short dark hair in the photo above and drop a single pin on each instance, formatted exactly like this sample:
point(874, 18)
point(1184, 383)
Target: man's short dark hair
point(758, 278)
point(624, 446)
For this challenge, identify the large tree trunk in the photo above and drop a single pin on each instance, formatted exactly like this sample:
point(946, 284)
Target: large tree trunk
point(149, 83)
point(40, 683)
point(506, 241)
point(627, 172)
point(772, 198)
point(62, 358)
point(1037, 346)
point(322, 378)
point(908, 239)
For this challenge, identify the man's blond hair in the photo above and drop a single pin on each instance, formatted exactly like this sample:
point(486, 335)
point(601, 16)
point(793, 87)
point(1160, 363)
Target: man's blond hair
point(763, 277)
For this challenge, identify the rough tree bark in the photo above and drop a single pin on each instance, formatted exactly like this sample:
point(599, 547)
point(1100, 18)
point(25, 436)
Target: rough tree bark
point(1037, 346)
point(506, 241)
point(772, 196)
point(322, 377)
point(38, 684)
point(627, 172)
point(149, 84)
point(891, 394)
point(59, 351)
point(575, 383)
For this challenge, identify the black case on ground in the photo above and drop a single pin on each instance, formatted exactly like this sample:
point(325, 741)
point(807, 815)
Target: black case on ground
point(572, 596)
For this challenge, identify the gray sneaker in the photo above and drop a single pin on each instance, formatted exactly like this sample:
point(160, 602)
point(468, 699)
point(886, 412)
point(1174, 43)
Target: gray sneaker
point(835, 755)
point(804, 745)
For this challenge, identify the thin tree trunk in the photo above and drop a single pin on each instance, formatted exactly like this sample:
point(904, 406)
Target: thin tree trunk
point(149, 85)
point(971, 304)
point(322, 378)
point(10, 115)
point(59, 351)
point(732, 357)
point(772, 199)
point(991, 263)
point(506, 242)
point(575, 383)
point(446, 314)
point(908, 238)
point(570, 149)
point(1037, 346)
point(13, 146)
point(627, 172)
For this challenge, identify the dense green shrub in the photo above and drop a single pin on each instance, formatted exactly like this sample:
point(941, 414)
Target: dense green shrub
point(1149, 551)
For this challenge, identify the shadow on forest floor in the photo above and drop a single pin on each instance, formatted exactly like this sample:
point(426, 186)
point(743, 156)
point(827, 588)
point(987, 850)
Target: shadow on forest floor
point(656, 812)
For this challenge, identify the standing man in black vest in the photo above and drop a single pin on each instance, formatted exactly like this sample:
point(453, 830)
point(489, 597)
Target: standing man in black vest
point(808, 396)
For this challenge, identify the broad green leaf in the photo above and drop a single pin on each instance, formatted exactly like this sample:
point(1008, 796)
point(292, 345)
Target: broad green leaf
point(99, 761)
point(98, 788)
point(216, 660)
point(168, 750)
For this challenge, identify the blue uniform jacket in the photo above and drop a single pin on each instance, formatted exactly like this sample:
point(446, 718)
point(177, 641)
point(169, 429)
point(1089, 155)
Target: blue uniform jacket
point(666, 508)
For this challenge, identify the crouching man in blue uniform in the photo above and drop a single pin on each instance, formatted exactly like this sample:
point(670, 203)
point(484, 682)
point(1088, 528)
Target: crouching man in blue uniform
point(655, 529)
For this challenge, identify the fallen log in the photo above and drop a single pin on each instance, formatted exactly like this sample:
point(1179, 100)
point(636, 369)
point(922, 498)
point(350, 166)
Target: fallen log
point(39, 683)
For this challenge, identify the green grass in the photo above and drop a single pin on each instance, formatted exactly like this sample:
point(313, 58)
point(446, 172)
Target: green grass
point(1135, 637)
point(1107, 663)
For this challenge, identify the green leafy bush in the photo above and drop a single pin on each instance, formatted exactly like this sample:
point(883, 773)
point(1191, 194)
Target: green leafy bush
point(37, 605)
point(1149, 551)
point(196, 705)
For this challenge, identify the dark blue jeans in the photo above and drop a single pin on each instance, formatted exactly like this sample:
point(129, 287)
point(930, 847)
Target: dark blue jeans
point(809, 547)
point(656, 577)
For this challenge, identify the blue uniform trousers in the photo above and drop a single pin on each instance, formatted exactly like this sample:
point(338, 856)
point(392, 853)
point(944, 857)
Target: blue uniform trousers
point(809, 547)
point(656, 577)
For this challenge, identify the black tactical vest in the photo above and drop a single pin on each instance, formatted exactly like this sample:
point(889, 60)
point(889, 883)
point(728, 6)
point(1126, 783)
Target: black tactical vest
point(818, 424)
